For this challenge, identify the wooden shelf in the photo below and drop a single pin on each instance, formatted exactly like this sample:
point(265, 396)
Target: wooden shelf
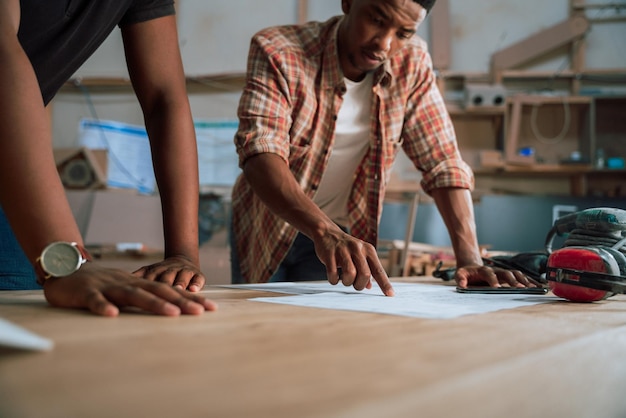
point(215, 83)
point(456, 110)
point(540, 169)
point(578, 175)
point(550, 170)
point(529, 75)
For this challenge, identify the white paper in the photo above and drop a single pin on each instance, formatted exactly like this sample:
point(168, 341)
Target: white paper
point(129, 156)
point(129, 162)
point(12, 335)
point(218, 162)
point(411, 299)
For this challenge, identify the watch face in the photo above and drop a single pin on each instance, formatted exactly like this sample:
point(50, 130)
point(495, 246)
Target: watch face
point(60, 259)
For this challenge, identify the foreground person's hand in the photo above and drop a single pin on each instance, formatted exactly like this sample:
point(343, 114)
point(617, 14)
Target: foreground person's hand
point(350, 261)
point(104, 291)
point(175, 271)
point(490, 276)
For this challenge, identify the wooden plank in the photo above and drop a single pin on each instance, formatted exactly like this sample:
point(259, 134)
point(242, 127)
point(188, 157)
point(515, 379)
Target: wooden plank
point(513, 121)
point(577, 51)
point(303, 10)
point(578, 185)
point(440, 35)
point(539, 43)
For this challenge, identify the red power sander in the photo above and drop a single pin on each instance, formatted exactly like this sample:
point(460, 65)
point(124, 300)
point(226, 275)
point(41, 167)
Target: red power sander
point(591, 266)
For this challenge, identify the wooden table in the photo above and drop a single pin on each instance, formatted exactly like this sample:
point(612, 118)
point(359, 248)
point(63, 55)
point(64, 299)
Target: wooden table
point(253, 359)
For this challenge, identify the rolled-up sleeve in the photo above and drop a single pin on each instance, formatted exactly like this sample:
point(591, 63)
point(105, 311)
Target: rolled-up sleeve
point(429, 139)
point(264, 107)
point(449, 173)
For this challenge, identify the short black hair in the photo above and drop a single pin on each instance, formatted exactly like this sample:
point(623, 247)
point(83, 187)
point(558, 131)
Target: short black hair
point(426, 4)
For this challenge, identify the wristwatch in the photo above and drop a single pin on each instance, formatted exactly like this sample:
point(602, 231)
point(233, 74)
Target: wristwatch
point(60, 259)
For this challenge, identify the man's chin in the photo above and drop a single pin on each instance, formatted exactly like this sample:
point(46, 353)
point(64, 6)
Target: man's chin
point(369, 67)
point(365, 66)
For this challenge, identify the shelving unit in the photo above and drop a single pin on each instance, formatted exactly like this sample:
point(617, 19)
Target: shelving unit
point(554, 128)
point(610, 125)
point(562, 130)
point(210, 83)
point(594, 123)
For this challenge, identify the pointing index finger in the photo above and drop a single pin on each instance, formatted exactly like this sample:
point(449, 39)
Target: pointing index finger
point(381, 278)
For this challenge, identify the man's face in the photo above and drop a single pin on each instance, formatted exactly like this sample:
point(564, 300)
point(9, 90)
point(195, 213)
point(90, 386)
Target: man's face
point(373, 30)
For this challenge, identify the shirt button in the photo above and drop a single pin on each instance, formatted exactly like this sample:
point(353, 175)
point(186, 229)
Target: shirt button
point(334, 117)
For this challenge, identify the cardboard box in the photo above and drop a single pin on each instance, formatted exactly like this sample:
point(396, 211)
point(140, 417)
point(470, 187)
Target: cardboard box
point(114, 216)
point(81, 168)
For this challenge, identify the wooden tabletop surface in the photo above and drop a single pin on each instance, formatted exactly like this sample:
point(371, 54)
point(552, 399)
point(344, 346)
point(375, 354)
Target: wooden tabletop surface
point(252, 359)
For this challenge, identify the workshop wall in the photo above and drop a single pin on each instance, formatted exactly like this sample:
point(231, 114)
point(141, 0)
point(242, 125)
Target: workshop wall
point(214, 38)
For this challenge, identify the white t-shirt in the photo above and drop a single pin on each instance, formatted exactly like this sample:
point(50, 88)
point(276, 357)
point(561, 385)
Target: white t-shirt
point(352, 133)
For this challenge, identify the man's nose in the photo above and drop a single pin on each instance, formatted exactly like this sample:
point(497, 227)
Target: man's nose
point(384, 41)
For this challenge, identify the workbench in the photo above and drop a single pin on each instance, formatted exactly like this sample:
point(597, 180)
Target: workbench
point(558, 359)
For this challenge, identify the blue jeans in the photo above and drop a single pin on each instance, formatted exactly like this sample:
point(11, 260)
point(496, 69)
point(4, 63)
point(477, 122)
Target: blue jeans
point(301, 263)
point(16, 272)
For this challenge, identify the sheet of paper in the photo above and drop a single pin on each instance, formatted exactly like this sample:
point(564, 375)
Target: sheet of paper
point(411, 299)
point(218, 162)
point(129, 165)
point(302, 288)
point(14, 336)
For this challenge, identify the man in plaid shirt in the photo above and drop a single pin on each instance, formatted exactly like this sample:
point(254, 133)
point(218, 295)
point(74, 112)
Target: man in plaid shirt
point(325, 110)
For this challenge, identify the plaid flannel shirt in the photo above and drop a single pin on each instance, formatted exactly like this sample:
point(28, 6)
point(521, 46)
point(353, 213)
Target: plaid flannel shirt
point(289, 105)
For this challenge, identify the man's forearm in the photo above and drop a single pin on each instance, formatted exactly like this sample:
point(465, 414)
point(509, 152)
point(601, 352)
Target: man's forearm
point(271, 179)
point(176, 169)
point(457, 211)
point(31, 192)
